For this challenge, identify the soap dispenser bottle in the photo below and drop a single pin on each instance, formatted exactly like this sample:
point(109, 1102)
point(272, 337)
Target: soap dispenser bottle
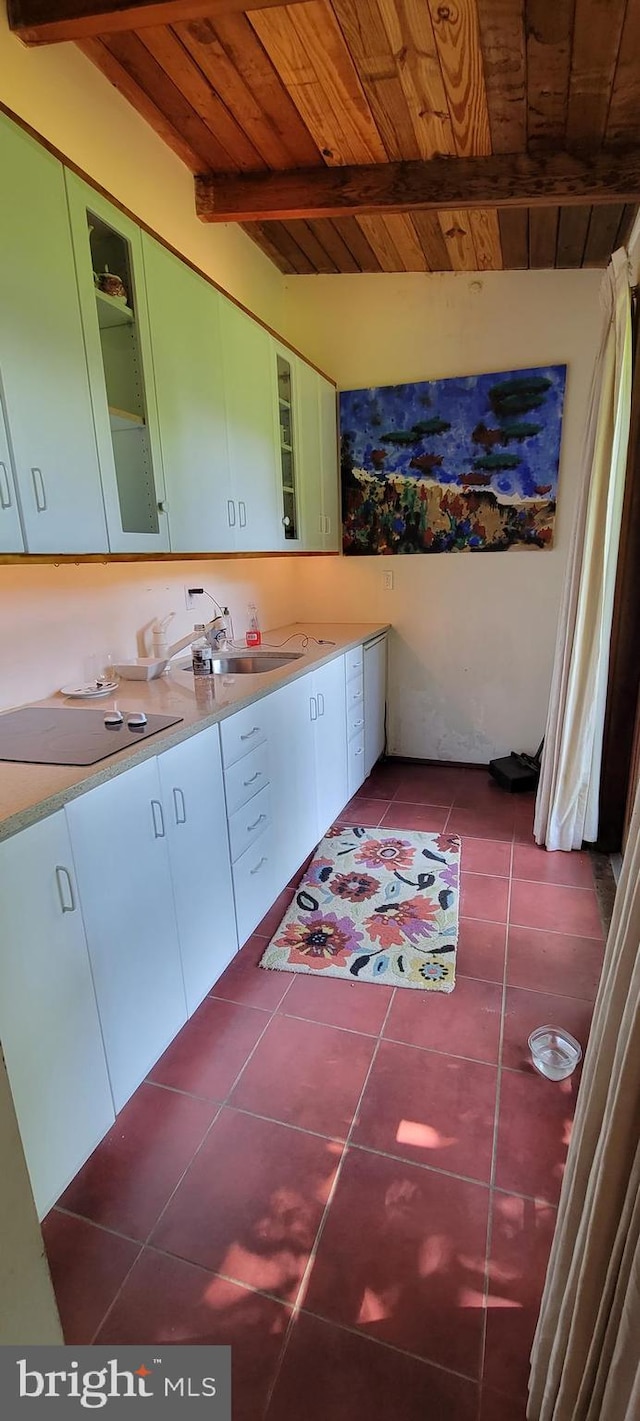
point(254, 635)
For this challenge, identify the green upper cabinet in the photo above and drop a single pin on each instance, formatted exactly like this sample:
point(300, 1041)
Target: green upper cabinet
point(110, 273)
point(286, 369)
point(184, 314)
point(251, 431)
point(43, 371)
point(11, 539)
point(318, 461)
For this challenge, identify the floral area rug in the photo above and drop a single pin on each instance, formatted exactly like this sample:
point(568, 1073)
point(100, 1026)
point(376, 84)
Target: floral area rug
point(375, 906)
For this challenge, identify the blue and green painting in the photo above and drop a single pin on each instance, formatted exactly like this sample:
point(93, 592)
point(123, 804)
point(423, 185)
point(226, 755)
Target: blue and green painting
point(463, 465)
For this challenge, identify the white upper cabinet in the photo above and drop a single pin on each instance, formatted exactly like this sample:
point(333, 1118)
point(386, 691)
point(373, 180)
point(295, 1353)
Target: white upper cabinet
point(286, 370)
point(251, 431)
point(108, 256)
point(43, 370)
point(11, 539)
point(318, 461)
point(184, 315)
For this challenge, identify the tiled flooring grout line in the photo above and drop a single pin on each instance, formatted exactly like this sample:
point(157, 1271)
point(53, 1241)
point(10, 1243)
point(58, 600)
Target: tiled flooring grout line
point(301, 1294)
point(496, 1128)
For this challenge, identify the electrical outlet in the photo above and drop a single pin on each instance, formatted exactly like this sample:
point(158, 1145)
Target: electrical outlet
point(192, 597)
point(387, 581)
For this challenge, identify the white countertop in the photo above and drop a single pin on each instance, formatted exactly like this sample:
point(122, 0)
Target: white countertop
point(31, 792)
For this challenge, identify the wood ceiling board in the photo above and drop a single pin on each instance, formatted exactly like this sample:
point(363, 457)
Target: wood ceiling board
point(597, 31)
point(382, 243)
point(50, 21)
point(505, 180)
point(208, 53)
point(502, 40)
point(514, 237)
point(358, 244)
point(334, 245)
point(129, 51)
point(601, 237)
point(126, 85)
point(312, 247)
point(623, 121)
point(485, 231)
point(573, 226)
point(455, 28)
point(549, 37)
point(281, 236)
point(266, 238)
point(407, 24)
point(244, 50)
point(429, 232)
point(458, 238)
point(627, 220)
point(185, 73)
point(404, 236)
point(308, 50)
point(366, 38)
point(543, 236)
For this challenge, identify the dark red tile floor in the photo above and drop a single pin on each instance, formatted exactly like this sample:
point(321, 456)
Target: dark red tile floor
point(355, 1187)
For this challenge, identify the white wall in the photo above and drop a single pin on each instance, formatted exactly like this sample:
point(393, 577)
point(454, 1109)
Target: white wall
point(472, 653)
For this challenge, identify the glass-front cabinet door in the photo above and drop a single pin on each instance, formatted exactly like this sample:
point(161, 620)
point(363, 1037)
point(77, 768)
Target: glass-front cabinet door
point(286, 377)
point(110, 271)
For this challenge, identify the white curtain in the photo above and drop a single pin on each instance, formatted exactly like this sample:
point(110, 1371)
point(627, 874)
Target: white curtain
point(586, 1352)
point(567, 802)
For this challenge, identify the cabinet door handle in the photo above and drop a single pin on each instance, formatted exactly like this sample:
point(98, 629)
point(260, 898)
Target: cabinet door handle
point(360, 751)
point(313, 708)
point(179, 806)
point(242, 513)
point(357, 724)
point(68, 901)
point(158, 819)
point(320, 703)
point(231, 513)
point(255, 731)
point(39, 490)
point(251, 827)
point(259, 864)
point(252, 779)
point(5, 487)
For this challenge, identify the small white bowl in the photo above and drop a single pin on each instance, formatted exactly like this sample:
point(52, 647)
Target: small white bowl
point(554, 1052)
point(144, 668)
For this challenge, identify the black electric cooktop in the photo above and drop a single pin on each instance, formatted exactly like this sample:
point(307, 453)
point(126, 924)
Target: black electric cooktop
point(39, 735)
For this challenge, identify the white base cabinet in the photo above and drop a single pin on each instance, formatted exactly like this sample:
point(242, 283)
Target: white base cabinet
point(375, 700)
point(49, 1027)
point(330, 741)
point(197, 836)
point(119, 839)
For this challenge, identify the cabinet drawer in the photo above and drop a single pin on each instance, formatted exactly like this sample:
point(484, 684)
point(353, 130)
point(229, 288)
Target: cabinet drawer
point(354, 662)
point(355, 720)
point(255, 884)
point(355, 694)
point(356, 762)
point(242, 732)
point(248, 823)
point(246, 778)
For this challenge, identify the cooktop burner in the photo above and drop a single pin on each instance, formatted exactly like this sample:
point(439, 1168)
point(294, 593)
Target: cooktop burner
point(41, 735)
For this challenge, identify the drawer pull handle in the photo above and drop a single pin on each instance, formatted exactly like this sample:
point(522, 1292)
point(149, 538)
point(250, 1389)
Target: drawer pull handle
point(179, 806)
point(259, 864)
point(255, 731)
point(251, 827)
point(63, 876)
point(158, 819)
point(252, 779)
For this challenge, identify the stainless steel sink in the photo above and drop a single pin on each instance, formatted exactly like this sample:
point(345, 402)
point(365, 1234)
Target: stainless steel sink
point(245, 664)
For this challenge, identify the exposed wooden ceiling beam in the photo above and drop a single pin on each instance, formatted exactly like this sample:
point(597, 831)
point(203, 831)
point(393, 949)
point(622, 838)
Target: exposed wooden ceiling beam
point(50, 21)
point(504, 180)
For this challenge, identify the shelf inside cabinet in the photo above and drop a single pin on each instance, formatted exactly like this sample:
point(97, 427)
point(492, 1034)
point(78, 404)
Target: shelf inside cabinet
point(124, 419)
point(112, 311)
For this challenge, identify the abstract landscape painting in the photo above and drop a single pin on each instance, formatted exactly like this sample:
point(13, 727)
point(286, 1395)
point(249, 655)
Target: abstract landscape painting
point(463, 465)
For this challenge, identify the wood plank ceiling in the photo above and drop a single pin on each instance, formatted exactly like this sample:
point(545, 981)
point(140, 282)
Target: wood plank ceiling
point(373, 81)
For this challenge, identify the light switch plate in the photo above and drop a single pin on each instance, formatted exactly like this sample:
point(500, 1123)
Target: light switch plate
point(387, 581)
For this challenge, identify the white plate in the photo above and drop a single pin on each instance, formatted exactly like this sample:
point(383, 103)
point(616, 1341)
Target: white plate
point(90, 692)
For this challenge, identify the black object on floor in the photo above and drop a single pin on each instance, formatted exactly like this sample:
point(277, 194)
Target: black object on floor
point(517, 773)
